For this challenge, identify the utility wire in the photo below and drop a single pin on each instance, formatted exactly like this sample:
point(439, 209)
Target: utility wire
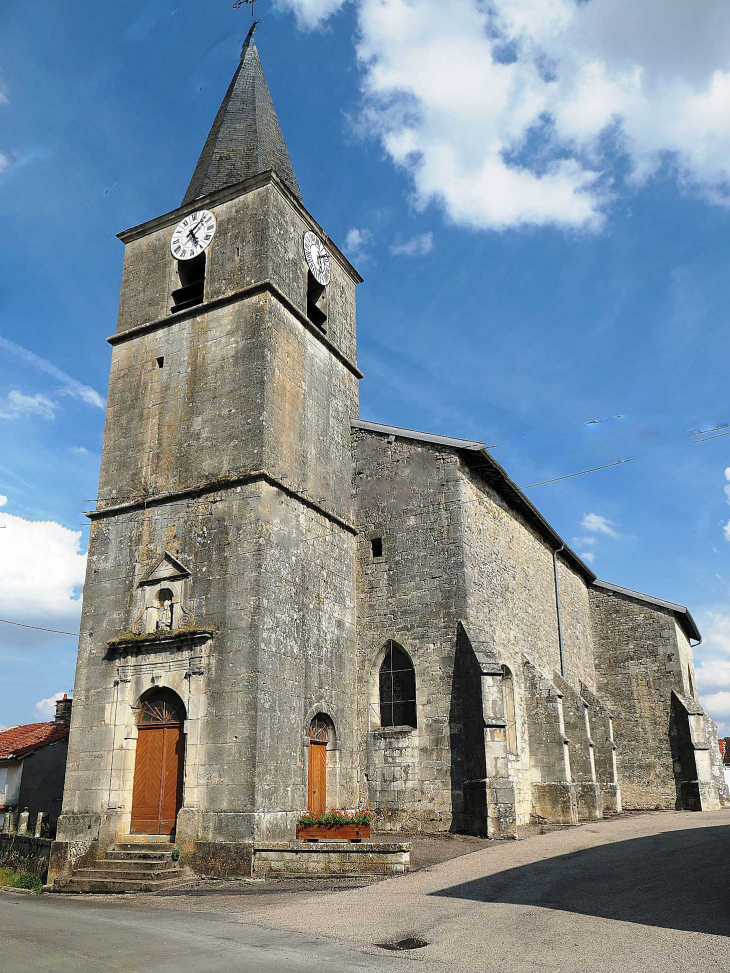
point(38, 628)
point(698, 441)
point(568, 475)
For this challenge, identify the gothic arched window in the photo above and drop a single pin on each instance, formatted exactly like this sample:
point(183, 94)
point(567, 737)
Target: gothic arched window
point(397, 688)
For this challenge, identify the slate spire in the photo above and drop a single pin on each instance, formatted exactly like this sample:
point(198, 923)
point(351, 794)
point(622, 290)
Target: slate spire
point(246, 137)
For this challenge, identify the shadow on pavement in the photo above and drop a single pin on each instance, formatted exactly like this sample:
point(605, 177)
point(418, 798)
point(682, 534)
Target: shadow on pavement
point(678, 880)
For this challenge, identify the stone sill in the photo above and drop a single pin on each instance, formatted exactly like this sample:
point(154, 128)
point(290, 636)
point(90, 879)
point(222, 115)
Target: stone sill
point(393, 731)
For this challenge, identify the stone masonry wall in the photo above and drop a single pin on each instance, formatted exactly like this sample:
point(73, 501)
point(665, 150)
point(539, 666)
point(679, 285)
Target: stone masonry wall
point(407, 494)
point(510, 588)
point(251, 410)
point(639, 663)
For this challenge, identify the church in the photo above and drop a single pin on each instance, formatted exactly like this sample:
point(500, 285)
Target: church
point(288, 606)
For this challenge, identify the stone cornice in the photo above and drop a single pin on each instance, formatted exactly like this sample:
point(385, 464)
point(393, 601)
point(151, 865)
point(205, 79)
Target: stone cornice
point(261, 287)
point(217, 486)
point(191, 638)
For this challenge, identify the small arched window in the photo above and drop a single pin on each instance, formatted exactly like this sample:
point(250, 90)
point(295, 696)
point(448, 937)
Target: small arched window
point(161, 707)
point(397, 688)
point(508, 699)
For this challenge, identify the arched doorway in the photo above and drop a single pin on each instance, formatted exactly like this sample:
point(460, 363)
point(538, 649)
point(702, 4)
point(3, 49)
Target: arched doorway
point(158, 768)
point(319, 735)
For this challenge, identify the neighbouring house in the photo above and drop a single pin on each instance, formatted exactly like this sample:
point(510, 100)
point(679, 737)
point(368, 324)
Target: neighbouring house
point(288, 605)
point(33, 766)
point(725, 753)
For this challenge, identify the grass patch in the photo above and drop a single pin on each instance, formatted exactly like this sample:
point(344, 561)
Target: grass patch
point(126, 637)
point(20, 880)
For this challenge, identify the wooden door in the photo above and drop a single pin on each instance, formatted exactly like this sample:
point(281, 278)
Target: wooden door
point(158, 779)
point(317, 790)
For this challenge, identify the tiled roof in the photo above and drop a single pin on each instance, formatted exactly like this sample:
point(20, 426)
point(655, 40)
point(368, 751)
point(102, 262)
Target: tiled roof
point(21, 740)
point(246, 137)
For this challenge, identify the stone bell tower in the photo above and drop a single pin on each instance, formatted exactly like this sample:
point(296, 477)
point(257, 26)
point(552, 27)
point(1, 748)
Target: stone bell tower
point(219, 605)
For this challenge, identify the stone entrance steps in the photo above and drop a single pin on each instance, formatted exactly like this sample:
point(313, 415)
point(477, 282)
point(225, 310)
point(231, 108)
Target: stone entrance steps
point(140, 863)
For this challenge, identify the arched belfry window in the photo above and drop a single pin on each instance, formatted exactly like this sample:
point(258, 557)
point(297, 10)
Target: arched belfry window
point(397, 688)
point(161, 707)
point(508, 698)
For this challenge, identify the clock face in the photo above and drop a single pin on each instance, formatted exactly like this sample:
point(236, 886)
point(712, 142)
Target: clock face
point(192, 235)
point(317, 258)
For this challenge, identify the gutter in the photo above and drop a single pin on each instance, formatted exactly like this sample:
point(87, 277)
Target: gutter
point(557, 608)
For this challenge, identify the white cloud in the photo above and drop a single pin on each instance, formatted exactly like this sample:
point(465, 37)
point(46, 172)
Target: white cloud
point(3, 500)
point(80, 450)
point(311, 14)
point(47, 707)
point(525, 112)
point(599, 525)
point(41, 572)
point(5, 162)
point(417, 246)
point(15, 405)
point(588, 556)
point(356, 243)
point(726, 527)
point(718, 704)
point(69, 385)
point(712, 667)
point(586, 541)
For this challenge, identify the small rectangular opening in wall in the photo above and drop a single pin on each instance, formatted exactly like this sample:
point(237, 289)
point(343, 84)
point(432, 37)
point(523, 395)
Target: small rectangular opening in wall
point(376, 544)
point(161, 361)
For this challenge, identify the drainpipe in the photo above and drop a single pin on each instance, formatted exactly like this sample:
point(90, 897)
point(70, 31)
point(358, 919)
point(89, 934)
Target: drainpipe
point(557, 606)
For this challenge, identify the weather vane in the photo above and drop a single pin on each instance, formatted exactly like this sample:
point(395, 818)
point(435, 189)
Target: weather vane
point(240, 3)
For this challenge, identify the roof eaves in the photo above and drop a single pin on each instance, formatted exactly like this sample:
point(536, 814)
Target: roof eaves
point(492, 468)
point(425, 437)
point(685, 616)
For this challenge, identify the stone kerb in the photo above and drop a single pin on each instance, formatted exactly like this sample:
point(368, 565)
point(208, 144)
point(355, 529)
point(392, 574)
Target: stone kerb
point(322, 858)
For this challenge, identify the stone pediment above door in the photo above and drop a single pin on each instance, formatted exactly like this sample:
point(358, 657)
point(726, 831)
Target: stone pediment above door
point(168, 568)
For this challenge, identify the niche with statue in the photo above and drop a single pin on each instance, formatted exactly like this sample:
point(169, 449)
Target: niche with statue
point(163, 590)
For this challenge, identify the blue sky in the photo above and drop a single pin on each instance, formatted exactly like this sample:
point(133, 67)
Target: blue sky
point(538, 202)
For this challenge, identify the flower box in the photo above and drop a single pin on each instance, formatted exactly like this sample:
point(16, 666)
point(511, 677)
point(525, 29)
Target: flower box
point(333, 832)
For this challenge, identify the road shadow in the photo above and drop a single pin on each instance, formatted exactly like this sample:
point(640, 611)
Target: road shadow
point(677, 880)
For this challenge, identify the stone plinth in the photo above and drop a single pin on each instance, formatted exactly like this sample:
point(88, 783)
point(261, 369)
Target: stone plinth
point(328, 858)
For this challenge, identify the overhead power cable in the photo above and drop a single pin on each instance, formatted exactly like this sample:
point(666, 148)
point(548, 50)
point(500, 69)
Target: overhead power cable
point(38, 628)
point(568, 475)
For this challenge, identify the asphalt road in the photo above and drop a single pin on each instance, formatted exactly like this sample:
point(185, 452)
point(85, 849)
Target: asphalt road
point(637, 894)
point(65, 935)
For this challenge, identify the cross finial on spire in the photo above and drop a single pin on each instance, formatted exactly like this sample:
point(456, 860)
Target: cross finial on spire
point(240, 3)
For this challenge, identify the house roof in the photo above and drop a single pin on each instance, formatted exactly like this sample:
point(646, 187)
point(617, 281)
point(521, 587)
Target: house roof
point(19, 741)
point(479, 458)
point(246, 138)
